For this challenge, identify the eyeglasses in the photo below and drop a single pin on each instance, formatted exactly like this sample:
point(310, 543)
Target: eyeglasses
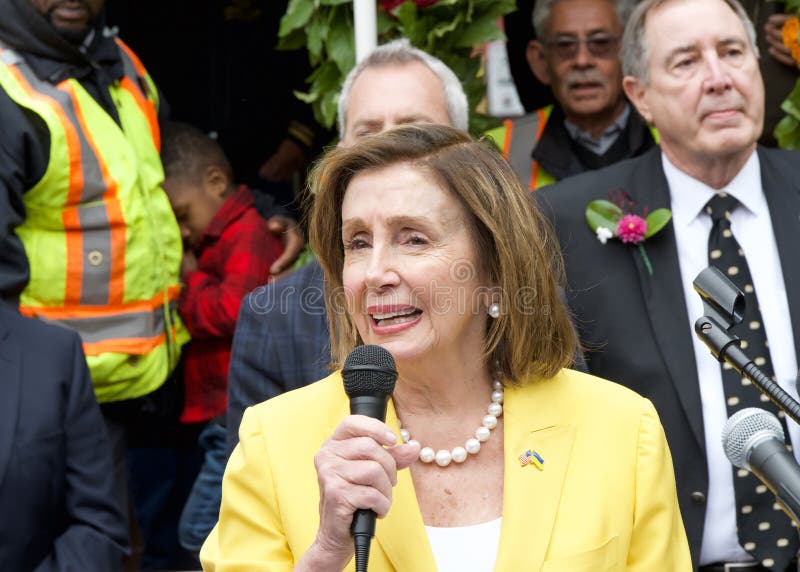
point(599, 45)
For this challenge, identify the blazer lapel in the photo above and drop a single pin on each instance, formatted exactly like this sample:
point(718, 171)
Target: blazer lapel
point(530, 497)
point(783, 198)
point(10, 386)
point(401, 533)
point(663, 293)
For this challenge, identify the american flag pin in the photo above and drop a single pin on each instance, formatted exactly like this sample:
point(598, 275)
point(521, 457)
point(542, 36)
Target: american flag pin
point(531, 457)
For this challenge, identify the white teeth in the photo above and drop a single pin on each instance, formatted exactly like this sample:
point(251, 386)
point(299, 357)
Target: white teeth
point(397, 320)
point(388, 315)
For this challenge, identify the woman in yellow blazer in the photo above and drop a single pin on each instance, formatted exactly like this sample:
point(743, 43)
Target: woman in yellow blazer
point(433, 251)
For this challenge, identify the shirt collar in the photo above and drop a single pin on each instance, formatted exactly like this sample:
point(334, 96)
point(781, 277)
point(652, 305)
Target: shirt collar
point(231, 210)
point(611, 132)
point(688, 196)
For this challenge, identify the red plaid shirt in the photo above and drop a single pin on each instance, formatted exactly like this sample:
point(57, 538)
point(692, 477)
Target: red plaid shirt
point(234, 257)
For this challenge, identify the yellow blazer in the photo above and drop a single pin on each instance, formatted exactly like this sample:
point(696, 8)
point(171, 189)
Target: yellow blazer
point(604, 501)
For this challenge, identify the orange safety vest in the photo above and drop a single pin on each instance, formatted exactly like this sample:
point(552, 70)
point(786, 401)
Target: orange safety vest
point(102, 243)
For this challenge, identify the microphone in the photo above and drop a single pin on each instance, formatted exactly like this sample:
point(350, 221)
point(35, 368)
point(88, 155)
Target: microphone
point(724, 306)
point(753, 439)
point(369, 374)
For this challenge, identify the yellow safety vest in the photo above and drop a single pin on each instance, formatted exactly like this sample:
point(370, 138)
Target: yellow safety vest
point(514, 140)
point(102, 243)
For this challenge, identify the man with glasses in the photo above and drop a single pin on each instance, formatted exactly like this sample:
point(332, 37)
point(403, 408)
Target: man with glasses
point(591, 125)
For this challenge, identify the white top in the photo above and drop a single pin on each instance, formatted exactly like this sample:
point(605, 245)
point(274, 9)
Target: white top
point(752, 226)
point(465, 548)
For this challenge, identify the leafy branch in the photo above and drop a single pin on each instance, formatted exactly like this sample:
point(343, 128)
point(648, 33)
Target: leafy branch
point(447, 29)
point(787, 131)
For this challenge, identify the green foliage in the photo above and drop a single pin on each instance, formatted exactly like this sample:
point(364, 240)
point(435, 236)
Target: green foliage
point(787, 131)
point(448, 29)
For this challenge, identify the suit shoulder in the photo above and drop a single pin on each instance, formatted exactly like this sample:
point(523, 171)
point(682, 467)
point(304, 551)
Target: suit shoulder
point(30, 332)
point(594, 388)
point(562, 197)
point(311, 404)
point(783, 159)
point(585, 395)
point(295, 292)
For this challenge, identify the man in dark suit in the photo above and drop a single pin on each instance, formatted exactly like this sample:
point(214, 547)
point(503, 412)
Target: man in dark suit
point(59, 511)
point(691, 70)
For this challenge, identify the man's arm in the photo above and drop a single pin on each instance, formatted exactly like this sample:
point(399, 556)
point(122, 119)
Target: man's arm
point(97, 535)
point(24, 150)
point(253, 375)
point(658, 540)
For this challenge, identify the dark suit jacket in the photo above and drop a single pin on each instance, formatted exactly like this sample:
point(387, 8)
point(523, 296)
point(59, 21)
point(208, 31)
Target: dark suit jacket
point(281, 343)
point(634, 326)
point(57, 507)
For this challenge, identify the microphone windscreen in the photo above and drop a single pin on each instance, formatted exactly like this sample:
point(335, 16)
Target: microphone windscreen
point(369, 370)
point(741, 429)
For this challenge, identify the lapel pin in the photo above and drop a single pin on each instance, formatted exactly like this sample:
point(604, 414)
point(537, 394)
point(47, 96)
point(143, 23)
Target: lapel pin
point(531, 457)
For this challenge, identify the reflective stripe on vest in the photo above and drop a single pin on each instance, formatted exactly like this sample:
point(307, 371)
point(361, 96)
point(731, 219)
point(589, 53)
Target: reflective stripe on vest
point(144, 92)
point(88, 230)
point(517, 147)
point(102, 243)
point(124, 330)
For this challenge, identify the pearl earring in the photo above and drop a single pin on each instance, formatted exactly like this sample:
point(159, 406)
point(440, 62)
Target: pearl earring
point(494, 310)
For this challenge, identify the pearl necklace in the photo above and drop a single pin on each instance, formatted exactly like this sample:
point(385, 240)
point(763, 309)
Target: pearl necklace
point(473, 444)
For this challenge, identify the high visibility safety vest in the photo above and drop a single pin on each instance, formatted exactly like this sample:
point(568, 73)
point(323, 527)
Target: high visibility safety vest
point(102, 243)
point(514, 140)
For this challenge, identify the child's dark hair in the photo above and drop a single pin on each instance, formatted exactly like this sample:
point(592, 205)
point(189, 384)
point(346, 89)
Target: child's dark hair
point(187, 152)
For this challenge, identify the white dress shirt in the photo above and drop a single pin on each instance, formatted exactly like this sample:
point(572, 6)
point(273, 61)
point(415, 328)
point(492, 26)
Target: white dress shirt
point(752, 227)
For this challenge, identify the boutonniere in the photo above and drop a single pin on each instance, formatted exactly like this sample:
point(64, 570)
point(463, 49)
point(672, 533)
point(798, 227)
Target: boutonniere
point(614, 218)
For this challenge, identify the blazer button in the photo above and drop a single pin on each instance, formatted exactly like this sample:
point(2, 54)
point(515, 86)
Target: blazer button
point(698, 498)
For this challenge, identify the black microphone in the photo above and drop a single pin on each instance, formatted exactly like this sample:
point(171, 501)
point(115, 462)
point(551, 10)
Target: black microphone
point(753, 439)
point(369, 375)
point(724, 306)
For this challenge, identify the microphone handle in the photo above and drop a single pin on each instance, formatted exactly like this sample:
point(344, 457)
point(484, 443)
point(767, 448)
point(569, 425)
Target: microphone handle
point(777, 468)
point(370, 405)
point(363, 525)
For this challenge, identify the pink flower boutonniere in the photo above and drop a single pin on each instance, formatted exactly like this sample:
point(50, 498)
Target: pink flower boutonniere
point(613, 218)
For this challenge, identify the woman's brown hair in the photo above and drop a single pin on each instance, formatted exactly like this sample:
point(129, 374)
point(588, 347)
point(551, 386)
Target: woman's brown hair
point(512, 240)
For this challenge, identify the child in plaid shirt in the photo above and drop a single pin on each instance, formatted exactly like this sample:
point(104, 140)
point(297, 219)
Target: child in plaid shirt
point(228, 251)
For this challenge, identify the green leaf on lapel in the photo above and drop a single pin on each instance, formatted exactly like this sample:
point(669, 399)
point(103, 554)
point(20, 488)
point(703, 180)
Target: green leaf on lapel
point(603, 213)
point(657, 220)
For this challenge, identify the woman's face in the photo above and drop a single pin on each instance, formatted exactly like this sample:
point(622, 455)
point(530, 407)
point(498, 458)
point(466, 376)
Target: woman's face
point(410, 270)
